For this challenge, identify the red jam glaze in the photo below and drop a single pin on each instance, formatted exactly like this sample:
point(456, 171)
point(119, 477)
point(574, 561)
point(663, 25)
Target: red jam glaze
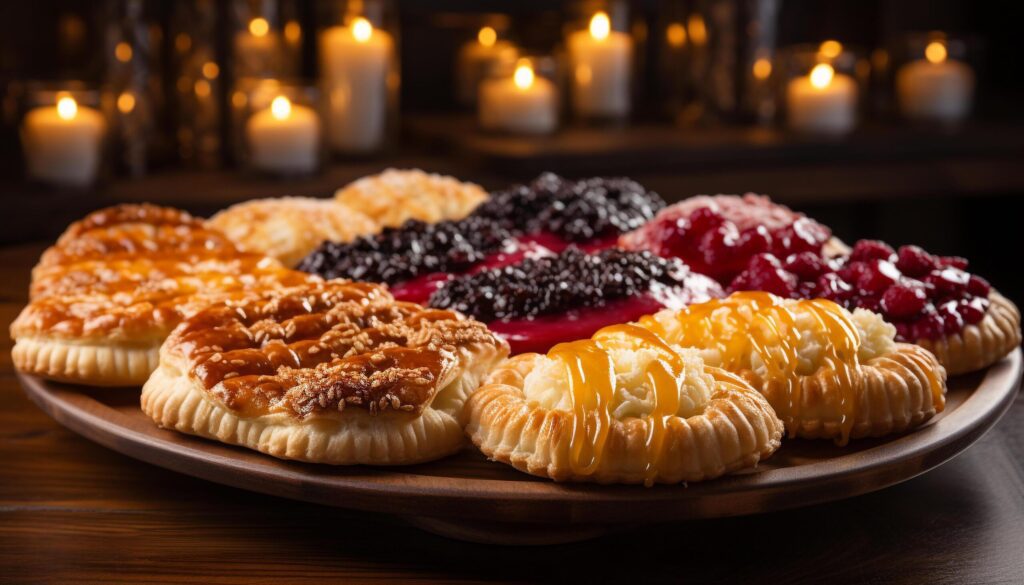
point(924, 296)
point(715, 246)
point(539, 334)
point(418, 290)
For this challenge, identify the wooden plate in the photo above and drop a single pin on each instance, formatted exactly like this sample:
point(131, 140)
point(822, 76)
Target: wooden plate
point(468, 497)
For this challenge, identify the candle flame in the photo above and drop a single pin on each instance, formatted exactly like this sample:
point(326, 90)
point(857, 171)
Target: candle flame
point(362, 30)
point(126, 102)
point(698, 31)
point(210, 70)
point(259, 27)
point(821, 75)
point(830, 49)
point(600, 26)
point(762, 68)
point(67, 108)
point(123, 52)
point(935, 52)
point(675, 34)
point(293, 32)
point(487, 36)
point(523, 76)
point(281, 108)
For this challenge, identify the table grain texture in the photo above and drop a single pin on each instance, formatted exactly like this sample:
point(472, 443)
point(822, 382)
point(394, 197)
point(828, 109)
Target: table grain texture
point(74, 512)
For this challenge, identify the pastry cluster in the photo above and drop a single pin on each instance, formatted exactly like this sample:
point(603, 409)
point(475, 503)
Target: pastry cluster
point(651, 344)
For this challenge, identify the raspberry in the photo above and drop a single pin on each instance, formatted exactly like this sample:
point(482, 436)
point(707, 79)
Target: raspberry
point(877, 276)
point(805, 265)
point(865, 250)
point(903, 302)
point(765, 273)
point(978, 286)
point(948, 282)
point(953, 262)
point(973, 311)
point(913, 261)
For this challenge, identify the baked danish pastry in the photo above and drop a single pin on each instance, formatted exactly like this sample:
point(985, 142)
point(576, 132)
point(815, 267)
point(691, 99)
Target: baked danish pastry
point(621, 407)
point(395, 196)
point(288, 228)
point(828, 373)
point(106, 295)
point(331, 372)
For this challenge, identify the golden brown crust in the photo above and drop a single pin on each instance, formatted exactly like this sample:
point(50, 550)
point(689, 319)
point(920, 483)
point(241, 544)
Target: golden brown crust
point(289, 228)
point(736, 430)
point(895, 392)
point(395, 196)
point(978, 346)
point(333, 372)
point(122, 278)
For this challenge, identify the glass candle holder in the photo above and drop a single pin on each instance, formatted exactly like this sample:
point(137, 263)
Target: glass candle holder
point(63, 133)
point(520, 99)
point(821, 87)
point(601, 55)
point(478, 57)
point(279, 127)
point(359, 74)
point(933, 80)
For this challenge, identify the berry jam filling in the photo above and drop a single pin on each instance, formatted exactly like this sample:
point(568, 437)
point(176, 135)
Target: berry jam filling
point(713, 245)
point(417, 257)
point(924, 296)
point(563, 211)
point(543, 301)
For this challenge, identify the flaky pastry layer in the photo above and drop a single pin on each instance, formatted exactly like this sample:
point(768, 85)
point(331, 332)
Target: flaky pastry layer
point(979, 346)
point(395, 196)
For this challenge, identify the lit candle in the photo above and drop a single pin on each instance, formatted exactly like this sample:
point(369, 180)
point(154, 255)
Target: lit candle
point(524, 103)
point(824, 102)
point(284, 138)
point(62, 142)
point(601, 61)
point(356, 62)
point(477, 58)
point(936, 87)
point(256, 49)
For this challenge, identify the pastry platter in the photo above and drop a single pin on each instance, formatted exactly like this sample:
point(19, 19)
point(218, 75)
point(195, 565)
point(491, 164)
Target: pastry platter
point(467, 497)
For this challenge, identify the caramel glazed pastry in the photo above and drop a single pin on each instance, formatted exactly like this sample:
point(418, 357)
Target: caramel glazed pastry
point(289, 228)
point(107, 294)
point(330, 372)
point(828, 373)
point(395, 196)
point(622, 407)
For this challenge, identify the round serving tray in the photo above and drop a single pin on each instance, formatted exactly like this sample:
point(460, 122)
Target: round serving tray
point(465, 496)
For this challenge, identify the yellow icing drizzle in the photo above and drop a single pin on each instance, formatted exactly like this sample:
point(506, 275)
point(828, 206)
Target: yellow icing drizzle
point(764, 324)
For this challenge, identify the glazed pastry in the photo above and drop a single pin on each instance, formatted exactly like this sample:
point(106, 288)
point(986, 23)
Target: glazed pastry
point(621, 407)
point(718, 235)
point(540, 302)
point(289, 228)
point(396, 196)
point(826, 372)
point(589, 213)
point(932, 300)
point(416, 259)
point(331, 372)
point(105, 296)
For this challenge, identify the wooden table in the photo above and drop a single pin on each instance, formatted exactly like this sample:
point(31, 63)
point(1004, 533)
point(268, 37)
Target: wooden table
point(71, 511)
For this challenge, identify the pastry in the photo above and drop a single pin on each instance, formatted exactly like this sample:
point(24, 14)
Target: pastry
point(105, 296)
point(288, 228)
point(589, 213)
point(329, 372)
point(395, 196)
point(621, 407)
point(718, 235)
point(414, 260)
point(932, 300)
point(543, 301)
point(826, 372)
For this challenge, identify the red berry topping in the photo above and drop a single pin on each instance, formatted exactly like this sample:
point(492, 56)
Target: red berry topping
point(865, 250)
point(805, 265)
point(978, 286)
point(877, 276)
point(948, 281)
point(904, 301)
point(765, 273)
point(914, 261)
point(953, 262)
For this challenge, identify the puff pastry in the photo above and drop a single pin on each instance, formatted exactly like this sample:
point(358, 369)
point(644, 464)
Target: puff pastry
point(621, 407)
point(333, 372)
point(980, 345)
point(395, 196)
point(826, 372)
point(289, 228)
point(107, 294)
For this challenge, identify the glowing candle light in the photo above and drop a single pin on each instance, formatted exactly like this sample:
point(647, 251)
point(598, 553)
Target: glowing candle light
point(477, 58)
point(522, 104)
point(284, 138)
point(62, 142)
point(935, 88)
point(601, 60)
point(823, 102)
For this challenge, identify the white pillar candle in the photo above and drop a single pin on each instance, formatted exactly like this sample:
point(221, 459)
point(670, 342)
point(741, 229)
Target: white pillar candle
point(935, 88)
point(257, 50)
point(356, 61)
point(522, 104)
point(476, 59)
point(601, 61)
point(62, 143)
point(284, 138)
point(824, 102)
